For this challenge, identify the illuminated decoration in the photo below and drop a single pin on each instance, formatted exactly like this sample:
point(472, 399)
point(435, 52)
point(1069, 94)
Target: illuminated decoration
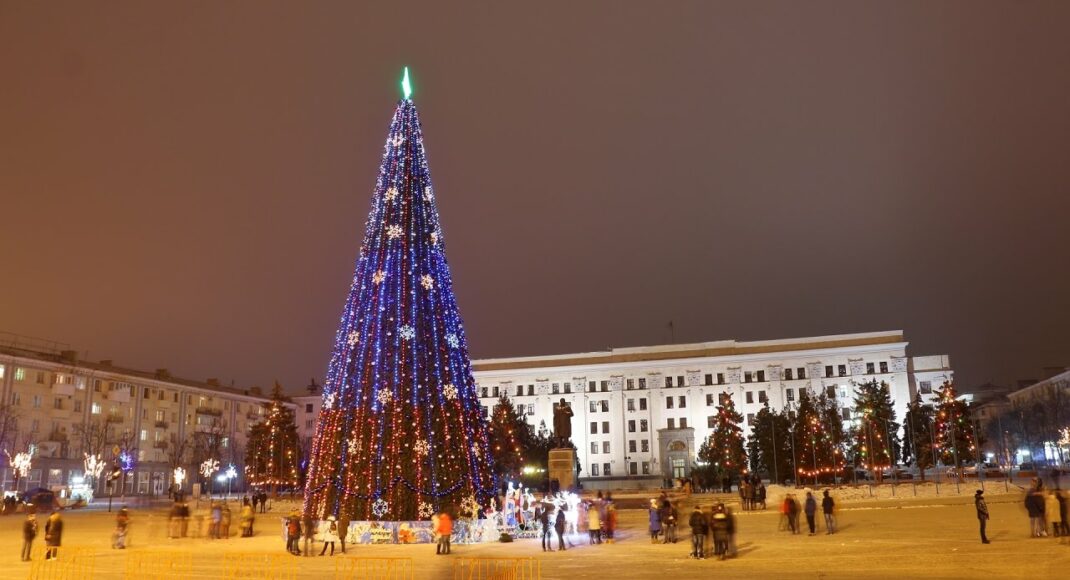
point(392, 192)
point(427, 282)
point(510, 439)
point(127, 461)
point(817, 433)
point(955, 442)
point(723, 450)
point(425, 511)
point(353, 338)
point(421, 447)
point(875, 436)
point(20, 463)
point(434, 238)
point(94, 466)
point(380, 507)
point(389, 390)
point(209, 467)
point(272, 451)
point(470, 507)
point(179, 475)
point(406, 85)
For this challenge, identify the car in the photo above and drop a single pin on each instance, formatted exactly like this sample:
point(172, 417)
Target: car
point(900, 474)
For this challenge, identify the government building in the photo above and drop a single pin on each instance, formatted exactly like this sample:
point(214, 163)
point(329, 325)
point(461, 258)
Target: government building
point(640, 414)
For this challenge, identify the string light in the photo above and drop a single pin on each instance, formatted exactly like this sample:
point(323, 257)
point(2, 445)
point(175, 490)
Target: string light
point(272, 458)
point(408, 378)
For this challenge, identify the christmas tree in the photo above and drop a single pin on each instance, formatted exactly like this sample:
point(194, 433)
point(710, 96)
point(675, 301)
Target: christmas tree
point(401, 431)
point(272, 454)
point(511, 439)
point(875, 437)
point(723, 449)
point(918, 436)
point(954, 431)
point(769, 444)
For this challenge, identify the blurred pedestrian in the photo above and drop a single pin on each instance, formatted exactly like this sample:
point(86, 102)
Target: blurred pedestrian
point(122, 521)
point(654, 516)
point(719, 528)
point(668, 515)
point(810, 507)
point(330, 535)
point(594, 525)
point(828, 507)
point(982, 513)
point(29, 532)
point(1034, 506)
point(53, 535)
point(308, 528)
point(343, 529)
point(293, 533)
point(444, 529)
point(1052, 513)
point(697, 522)
point(542, 515)
point(246, 519)
point(559, 527)
point(224, 521)
point(611, 520)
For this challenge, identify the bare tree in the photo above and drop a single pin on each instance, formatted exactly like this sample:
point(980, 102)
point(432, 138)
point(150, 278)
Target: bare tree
point(9, 425)
point(93, 436)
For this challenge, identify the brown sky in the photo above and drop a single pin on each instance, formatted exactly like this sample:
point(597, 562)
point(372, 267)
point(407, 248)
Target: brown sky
point(185, 185)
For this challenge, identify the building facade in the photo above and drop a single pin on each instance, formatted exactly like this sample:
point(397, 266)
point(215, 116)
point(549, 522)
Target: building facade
point(640, 414)
point(63, 407)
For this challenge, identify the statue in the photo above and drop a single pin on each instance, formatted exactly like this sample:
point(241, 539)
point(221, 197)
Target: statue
point(562, 423)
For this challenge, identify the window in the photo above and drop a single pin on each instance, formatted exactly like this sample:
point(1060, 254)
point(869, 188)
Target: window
point(37, 401)
point(146, 393)
point(761, 397)
point(750, 397)
point(668, 381)
point(761, 376)
point(605, 469)
point(925, 387)
point(591, 387)
point(494, 391)
point(604, 385)
point(594, 406)
point(681, 402)
point(683, 422)
point(791, 394)
point(709, 399)
point(483, 392)
point(644, 445)
point(633, 468)
point(77, 406)
point(643, 425)
point(631, 425)
point(144, 435)
point(57, 403)
point(605, 426)
point(830, 391)
point(750, 418)
point(162, 393)
point(35, 425)
point(594, 469)
point(642, 404)
point(96, 408)
point(605, 406)
point(520, 409)
point(176, 396)
point(671, 422)
point(668, 402)
point(308, 423)
point(711, 421)
point(531, 390)
point(642, 384)
point(568, 388)
point(520, 390)
point(870, 368)
point(720, 378)
point(40, 377)
point(605, 447)
point(631, 404)
point(842, 370)
point(787, 374)
point(20, 374)
point(16, 398)
point(594, 427)
point(679, 380)
point(748, 377)
point(308, 407)
point(630, 384)
point(555, 389)
point(631, 446)
point(646, 468)
point(828, 371)
point(707, 379)
point(801, 374)
point(884, 366)
point(594, 447)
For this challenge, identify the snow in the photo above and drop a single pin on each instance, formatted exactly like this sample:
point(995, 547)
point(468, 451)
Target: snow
point(925, 537)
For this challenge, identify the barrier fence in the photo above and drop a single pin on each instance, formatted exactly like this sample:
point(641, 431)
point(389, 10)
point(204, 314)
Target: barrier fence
point(258, 566)
point(497, 569)
point(59, 563)
point(355, 568)
point(162, 565)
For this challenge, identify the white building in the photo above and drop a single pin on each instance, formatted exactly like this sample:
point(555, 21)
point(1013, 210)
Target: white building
point(641, 413)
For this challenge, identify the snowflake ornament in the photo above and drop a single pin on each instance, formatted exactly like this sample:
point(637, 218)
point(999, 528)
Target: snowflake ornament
point(380, 507)
point(470, 506)
point(429, 195)
point(393, 232)
point(407, 332)
point(384, 397)
point(476, 451)
point(425, 510)
point(329, 400)
point(452, 340)
point(421, 447)
point(353, 446)
point(427, 281)
point(398, 140)
point(391, 194)
point(378, 277)
point(450, 391)
point(434, 238)
point(353, 338)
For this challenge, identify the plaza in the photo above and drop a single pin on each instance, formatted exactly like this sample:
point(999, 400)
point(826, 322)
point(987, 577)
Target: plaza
point(882, 537)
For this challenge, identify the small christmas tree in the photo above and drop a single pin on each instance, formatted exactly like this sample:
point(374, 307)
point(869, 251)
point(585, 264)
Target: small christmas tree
point(769, 444)
point(723, 449)
point(954, 431)
point(875, 438)
point(511, 439)
point(272, 453)
point(918, 436)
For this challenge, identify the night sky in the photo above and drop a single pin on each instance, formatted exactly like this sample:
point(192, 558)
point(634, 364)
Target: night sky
point(186, 186)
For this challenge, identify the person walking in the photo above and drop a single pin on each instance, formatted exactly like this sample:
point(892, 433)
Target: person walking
point(224, 521)
point(343, 529)
point(1064, 527)
point(1052, 513)
point(827, 508)
point(719, 527)
point(444, 529)
point(810, 507)
point(542, 515)
point(594, 525)
point(1034, 506)
point(697, 522)
point(611, 520)
point(53, 535)
point(655, 521)
point(122, 521)
point(293, 533)
point(308, 530)
point(668, 516)
point(330, 535)
point(559, 527)
point(29, 532)
point(982, 513)
point(247, 518)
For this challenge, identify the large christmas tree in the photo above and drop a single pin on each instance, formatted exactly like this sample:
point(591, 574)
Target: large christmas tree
point(401, 432)
point(723, 449)
point(954, 431)
point(272, 453)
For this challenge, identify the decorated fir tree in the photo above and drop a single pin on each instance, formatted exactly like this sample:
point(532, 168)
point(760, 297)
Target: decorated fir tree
point(511, 439)
point(918, 435)
point(272, 452)
point(723, 449)
point(875, 437)
point(769, 444)
point(401, 431)
point(954, 432)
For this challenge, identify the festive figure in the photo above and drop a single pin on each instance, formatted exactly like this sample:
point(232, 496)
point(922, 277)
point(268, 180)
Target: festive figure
point(401, 431)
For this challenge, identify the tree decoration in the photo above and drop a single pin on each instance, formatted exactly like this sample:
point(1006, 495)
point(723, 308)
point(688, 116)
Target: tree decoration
point(954, 431)
point(425, 511)
point(380, 507)
point(874, 438)
point(723, 449)
point(406, 380)
point(272, 453)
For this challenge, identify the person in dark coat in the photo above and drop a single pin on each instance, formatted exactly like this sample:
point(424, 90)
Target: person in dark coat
point(53, 535)
point(1034, 505)
point(698, 533)
point(791, 508)
point(29, 532)
point(559, 526)
point(827, 507)
point(542, 515)
point(810, 507)
point(668, 516)
point(982, 513)
point(719, 527)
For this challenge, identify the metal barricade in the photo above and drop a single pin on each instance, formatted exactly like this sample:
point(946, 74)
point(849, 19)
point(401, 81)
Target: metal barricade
point(497, 569)
point(258, 566)
point(158, 565)
point(62, 563)
point(357, 568)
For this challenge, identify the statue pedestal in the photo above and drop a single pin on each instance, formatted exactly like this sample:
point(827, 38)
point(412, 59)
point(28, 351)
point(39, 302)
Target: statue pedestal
point(562, 467)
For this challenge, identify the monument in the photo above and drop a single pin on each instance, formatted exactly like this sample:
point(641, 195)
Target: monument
point(562, 460)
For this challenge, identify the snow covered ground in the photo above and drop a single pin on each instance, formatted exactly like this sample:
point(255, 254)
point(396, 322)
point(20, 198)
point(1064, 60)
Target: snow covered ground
point(925, 537)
